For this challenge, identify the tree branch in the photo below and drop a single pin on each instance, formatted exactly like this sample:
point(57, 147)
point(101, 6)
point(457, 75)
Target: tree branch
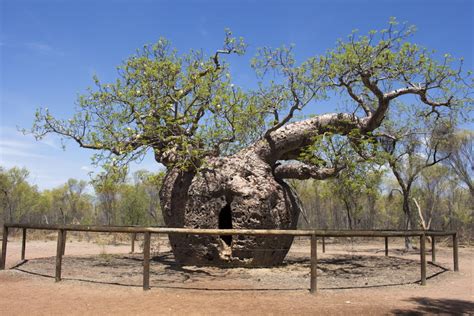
point(355, 97)
point(295, 136)
point(302, 171)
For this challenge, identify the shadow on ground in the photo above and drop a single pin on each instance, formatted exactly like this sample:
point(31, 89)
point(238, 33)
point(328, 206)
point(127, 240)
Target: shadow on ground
point(334, 273)
point(427, 305)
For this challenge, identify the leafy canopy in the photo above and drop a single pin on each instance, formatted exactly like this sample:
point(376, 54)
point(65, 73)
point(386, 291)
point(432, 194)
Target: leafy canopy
point(185, 107)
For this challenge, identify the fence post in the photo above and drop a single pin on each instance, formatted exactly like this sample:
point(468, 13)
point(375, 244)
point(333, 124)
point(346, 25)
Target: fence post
point(455, 252)
point(386, 246)
point(63, 246)
point(146, 262)
point(324, 244)
point(314, 264)
point(59, 255)
point(423, 259)
point(433, 249)
point(134, 236)
point(23, 244)
point(4, 247)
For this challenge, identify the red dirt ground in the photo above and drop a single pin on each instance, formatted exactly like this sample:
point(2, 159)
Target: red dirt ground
point(25, 293)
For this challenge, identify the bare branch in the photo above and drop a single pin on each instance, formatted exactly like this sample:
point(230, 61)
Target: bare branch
point(302, 171)
point(372, 86)
point(355, 97)
point(288, 117)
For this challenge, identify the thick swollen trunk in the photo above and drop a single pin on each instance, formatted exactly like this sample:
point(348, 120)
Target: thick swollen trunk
point(230, 192)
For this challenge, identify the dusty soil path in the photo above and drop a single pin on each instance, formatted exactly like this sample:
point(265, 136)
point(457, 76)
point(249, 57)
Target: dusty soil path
point(28, 293)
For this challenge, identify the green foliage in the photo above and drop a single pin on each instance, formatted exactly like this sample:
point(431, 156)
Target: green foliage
point(181, 107)
point(17, 197)
point(185, 107)
point(366, 195)
point(460, 148)
point(133, 205)
point(122, 201)
point(116, 200)
point(357, 188)
point(370, 72)
point(70, 203)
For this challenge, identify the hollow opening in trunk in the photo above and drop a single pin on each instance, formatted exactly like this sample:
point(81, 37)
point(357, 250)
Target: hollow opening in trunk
point(225, 222)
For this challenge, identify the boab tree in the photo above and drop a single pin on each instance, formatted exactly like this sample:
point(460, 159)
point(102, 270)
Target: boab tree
point(228, 151)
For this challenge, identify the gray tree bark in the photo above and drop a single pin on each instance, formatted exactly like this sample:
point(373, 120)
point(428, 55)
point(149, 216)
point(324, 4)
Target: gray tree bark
point(230, 192)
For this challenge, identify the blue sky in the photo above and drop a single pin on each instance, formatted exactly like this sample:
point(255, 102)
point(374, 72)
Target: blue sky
point(49, 51)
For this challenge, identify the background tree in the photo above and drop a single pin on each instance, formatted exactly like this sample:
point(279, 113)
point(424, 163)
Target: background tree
point(412, 150)
point(107, 187)
point(227, 151)
point(358, 190)
point(70, 203)
point(461, 157)
point(151, 184)
point(17, 195)
point(432, 191)
point(444, 200)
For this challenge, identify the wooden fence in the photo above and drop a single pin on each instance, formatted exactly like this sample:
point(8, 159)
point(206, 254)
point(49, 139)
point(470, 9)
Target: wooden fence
point(313, 234)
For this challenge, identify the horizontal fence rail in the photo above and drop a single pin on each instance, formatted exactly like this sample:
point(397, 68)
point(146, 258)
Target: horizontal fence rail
point(312, 233)
point(248, 232)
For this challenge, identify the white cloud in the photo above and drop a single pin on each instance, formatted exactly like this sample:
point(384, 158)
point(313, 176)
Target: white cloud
point(49, 165)
point(16, 148)
point(12, 152)
point(86, 168)
point(12, 144)
point(50, 142)
point(42, 48)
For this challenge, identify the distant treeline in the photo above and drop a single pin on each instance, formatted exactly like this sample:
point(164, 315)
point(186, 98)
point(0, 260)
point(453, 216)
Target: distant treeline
point(439, 196)
point(444, 202)
point(424, 182)
point(115, 200)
